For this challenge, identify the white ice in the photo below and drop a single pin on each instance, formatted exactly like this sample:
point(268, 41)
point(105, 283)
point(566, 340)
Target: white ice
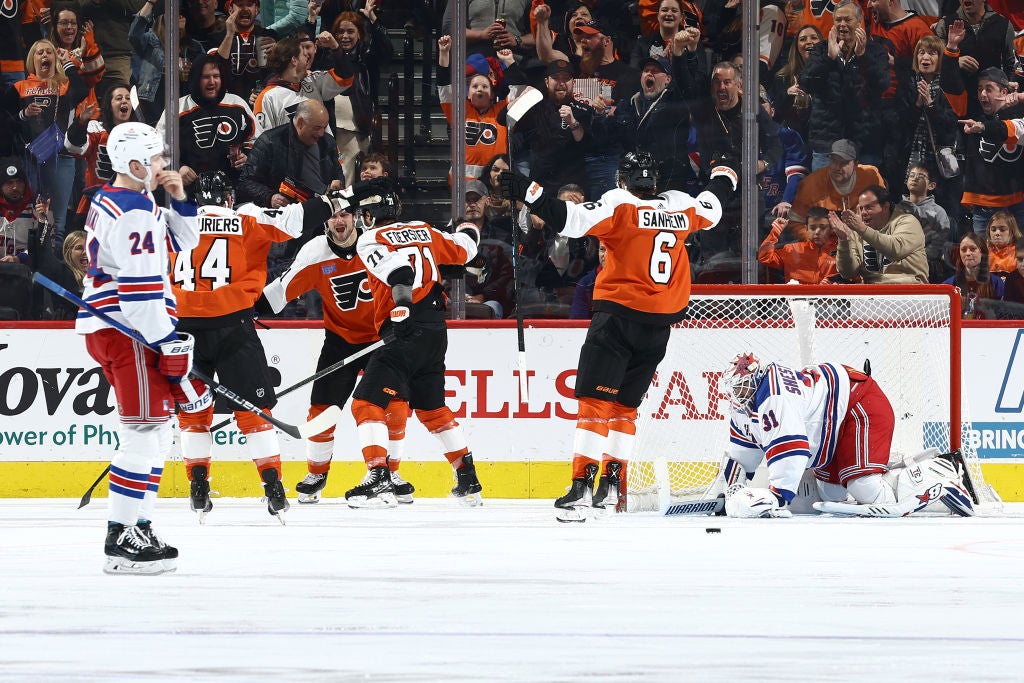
point(434, 592)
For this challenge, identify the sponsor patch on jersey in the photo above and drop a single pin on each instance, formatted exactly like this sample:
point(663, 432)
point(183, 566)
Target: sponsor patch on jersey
point(654, 219)
point(328, 269)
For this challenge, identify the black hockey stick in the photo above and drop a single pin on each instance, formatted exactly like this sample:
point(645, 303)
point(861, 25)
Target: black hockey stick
point(312, 378)
point(88, 494)
point(302, 431)
point(513, 115)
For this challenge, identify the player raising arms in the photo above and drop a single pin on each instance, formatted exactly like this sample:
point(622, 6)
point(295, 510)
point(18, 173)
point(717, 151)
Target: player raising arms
point(330, 265)
point(409, 305)
point(835, 421)
point(641, 292)
point(127, 238)
point(217, 284)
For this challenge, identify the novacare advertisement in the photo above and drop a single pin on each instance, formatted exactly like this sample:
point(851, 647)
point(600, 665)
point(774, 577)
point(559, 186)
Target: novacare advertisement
point(56, 406)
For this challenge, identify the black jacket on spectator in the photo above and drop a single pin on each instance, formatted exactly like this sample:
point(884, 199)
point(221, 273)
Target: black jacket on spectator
point(47, 306)
point(992, 45)
point(845, 96)
point(278, 154)
point(720, 136)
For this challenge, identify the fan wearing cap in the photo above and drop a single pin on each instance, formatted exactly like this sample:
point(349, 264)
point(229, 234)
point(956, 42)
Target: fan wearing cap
point(992, 176)
point(835, 187)
point(598, 59)
point(15, 210)
point(657, 120)
point(486, 133)
point(984, 38)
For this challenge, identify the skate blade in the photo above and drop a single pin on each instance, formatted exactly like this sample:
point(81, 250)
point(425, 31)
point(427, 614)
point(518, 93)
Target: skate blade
point(602, 511)
point(404, 500)
point(120, 565)
point(280, 516)
point(382, 501)
point(309, 498)
point(470, 500)
point(573, 514)
point(202, 515)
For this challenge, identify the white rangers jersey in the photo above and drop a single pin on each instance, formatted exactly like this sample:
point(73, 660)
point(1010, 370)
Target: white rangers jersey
point(128, 239)
point(794, 421)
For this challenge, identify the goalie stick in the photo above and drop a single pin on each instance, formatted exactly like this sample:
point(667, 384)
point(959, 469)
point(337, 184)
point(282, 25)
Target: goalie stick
point(312, 378)
point(302, 431)
point(706, 506)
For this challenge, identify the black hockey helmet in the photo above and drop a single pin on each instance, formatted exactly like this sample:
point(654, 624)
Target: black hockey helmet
point(638, 171)
point(212, 188)
point(381, 200)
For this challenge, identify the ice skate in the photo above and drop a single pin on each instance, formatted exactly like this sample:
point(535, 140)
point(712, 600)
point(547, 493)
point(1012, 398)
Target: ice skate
point(606, 500)
point(574, 506)
point(403, 489)
point(375, 491)
point(169, 551)
point(130, 551)
point(199, 493)
point(311, 487)
point(467, 487)
point(277, 504)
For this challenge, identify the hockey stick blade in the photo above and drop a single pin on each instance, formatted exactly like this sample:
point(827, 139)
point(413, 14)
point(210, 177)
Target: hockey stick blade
point(524, 103)
point(215, 387)
point(321, 422)
point(709, 506)
point(88, 494)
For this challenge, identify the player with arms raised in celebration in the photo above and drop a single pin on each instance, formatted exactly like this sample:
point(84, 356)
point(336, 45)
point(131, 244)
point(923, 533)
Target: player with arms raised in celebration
point(128, 238)
point(330, 265)
point(835, 421)
point(217, 284)
point(641, 292)
point(409, 304)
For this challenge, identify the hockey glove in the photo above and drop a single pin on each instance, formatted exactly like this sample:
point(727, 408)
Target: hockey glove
point(191, 395)
point(471, 230)
point(744, 502)
point(176, 358)
point(517, 186)
point(723, 183)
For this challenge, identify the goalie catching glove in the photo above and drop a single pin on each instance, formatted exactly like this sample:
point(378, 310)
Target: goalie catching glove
point(745, 502)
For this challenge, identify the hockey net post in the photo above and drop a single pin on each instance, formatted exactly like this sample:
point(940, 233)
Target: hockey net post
point(910, 335)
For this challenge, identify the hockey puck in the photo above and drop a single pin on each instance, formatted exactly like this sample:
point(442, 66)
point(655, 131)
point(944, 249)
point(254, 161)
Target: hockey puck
point(712, 530)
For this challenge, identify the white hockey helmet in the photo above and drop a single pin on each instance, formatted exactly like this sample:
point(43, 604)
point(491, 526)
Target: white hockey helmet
point(742, 376)
point(133, 141)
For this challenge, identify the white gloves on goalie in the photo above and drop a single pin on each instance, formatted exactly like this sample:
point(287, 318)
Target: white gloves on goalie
point(744, 502)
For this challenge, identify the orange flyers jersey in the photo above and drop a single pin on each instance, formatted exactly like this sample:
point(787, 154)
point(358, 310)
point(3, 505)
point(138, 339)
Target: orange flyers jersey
point(341, 278)
point(647, 272)
point(386, 249)
point(226, 272)
point(1002, 259)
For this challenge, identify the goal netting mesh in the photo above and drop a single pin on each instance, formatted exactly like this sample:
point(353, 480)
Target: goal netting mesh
point(909, 336)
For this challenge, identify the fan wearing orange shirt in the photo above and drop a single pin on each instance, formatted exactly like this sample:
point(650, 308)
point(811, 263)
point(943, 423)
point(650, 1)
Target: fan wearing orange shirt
point(330, 264)
point(809, 261)
point(642, 291)
point(216, 285)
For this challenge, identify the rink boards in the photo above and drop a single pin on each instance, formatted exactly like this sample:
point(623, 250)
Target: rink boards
point(58, 419)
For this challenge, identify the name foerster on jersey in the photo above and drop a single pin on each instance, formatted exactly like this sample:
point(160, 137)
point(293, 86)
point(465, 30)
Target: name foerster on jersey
point(220, 225)
point(408, 236)
point(350, 289)
point(654, 219)
point(213, 129)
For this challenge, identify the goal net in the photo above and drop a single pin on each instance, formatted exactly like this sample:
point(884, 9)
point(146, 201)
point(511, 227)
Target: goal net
point(909, 337)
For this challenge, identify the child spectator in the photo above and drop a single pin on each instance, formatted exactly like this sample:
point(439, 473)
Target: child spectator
point(1003, 233)
point(1013, 291)
point(934, 219)
point(973, 277)
point(809, 261)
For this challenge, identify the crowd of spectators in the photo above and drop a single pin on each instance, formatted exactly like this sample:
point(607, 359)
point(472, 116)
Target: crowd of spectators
point(887, 129)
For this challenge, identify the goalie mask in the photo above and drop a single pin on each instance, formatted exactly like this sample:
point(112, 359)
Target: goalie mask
point(637, 171)
point(742, 377)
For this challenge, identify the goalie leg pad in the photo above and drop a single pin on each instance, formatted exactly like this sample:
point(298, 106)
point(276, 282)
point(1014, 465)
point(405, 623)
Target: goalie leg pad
point(871, 489)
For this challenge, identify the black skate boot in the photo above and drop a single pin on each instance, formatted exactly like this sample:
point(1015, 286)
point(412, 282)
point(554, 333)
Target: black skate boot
point(403, 489)
point(467, 487)
point(375, 491)
point(273, 489)
point(199, 493)
point(574, 505)
point(310, 487)
point(129, 551)
point(169, 551)
point(607, 497)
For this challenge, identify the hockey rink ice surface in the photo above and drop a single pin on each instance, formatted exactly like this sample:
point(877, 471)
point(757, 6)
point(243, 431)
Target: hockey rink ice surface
point(435, 592)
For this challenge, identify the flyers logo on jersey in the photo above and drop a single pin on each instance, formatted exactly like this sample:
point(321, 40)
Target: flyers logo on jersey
point(350, 289)
point(480, 133)
point(213, 129)
point(654, 219)
point(819, 7)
